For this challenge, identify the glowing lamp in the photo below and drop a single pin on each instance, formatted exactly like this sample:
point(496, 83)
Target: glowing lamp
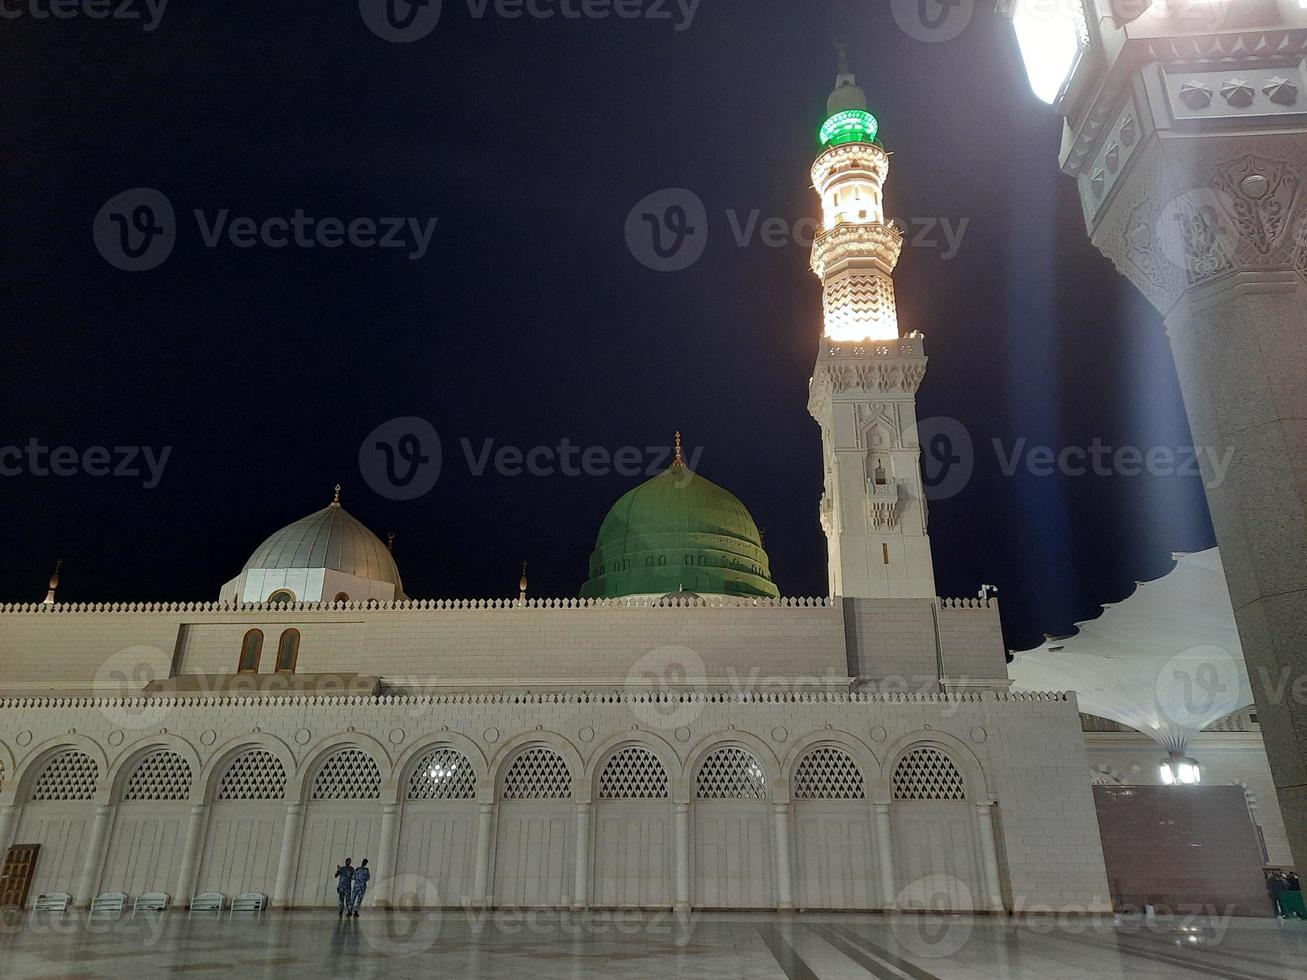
point(1180, 770)
point(850, 126)
point(1052, 37)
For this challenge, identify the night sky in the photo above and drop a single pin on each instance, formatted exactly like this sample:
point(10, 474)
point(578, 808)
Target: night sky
point(529, 320)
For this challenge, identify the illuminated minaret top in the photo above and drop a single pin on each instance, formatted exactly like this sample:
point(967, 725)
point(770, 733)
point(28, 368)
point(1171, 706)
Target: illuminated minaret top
point(856, 253)
point(864, 385)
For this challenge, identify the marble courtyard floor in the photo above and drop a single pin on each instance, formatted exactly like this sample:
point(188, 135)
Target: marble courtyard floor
point(544, 946)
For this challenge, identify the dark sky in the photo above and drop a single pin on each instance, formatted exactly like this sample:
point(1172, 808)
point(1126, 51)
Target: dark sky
point(529, 321)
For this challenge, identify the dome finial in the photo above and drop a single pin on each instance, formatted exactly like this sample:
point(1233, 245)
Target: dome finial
point(521, 585)
point(842, 50)
point(54, 583)
point(680, 459)
point(390, 541)
point(336, 499)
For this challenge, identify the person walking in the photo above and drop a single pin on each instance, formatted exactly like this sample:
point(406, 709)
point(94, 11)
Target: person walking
point(361, 878)
point(344, 882)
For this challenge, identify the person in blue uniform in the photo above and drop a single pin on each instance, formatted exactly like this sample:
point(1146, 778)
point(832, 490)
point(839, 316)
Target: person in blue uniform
point(361, 878)
point(344, 882)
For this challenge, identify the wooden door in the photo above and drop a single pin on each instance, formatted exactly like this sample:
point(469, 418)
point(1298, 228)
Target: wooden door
point(16, 878)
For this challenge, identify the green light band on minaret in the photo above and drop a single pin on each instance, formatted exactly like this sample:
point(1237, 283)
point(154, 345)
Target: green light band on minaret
point(850, 126)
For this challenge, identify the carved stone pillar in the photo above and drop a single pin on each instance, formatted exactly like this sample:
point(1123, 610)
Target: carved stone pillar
point(93, 865)
point(681, 824)
point(1190, 158)
point(481, 896)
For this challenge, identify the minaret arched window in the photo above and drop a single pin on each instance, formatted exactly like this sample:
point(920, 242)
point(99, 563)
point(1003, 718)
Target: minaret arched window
point(288, 651)
point(251, 650)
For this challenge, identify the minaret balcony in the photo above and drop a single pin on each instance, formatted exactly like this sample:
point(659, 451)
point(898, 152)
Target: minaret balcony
point(875, 240)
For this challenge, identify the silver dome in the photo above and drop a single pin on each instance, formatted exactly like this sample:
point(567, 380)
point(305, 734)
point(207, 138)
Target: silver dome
point(331, 539)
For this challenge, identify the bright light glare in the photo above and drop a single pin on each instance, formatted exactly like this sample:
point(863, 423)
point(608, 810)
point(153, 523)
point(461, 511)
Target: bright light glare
point(1168, 777)
point(1048, 33)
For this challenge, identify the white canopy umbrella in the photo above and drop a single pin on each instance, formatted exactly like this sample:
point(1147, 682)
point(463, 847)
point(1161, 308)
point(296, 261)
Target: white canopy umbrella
point(1165, 661)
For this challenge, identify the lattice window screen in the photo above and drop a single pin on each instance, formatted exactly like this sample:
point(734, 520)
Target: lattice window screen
point(928, 774)
point(730, 773)
point(633, 773)
point(538, 774)
point(349, 774)
point(254, 775)
point(68, 776)
point(828, 773)
point(160, 776)
point(444, 774)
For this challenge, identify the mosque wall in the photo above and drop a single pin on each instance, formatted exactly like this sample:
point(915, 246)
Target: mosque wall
point(806, 643)
point(186, 794)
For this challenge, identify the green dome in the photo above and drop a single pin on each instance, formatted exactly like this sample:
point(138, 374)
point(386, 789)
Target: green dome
point(678, 532)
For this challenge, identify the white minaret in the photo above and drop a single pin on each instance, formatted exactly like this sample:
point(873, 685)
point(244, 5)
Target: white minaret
point(864, 387)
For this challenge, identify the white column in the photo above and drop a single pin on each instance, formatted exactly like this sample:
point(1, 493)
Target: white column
point(387, 861)
point(481, 896)
point(93, 865)
point(195, 828)
point(681, 820)
point(581, 888)
point(989, 857)
point(781, 848)
point(885, 856)
point(290, 845)
point(8, 821)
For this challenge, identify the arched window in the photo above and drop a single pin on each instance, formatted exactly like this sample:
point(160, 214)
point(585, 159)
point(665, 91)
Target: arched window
point(251, 650)
point(255, 774)
point(348, 774)
point(926, 773)
point(828, 773)
point(71, 775)
point(633, 773)
point(442, 774)
point(288, 651)
point(730, 773)
point(342, 597)
point(282, 597)
point(160, 776)
point(539, 773)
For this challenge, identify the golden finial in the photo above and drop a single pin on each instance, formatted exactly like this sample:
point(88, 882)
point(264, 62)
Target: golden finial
point(680, 459)
point(390, 541)
point(54, 583)
point(521, 585)
point(336, 499)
